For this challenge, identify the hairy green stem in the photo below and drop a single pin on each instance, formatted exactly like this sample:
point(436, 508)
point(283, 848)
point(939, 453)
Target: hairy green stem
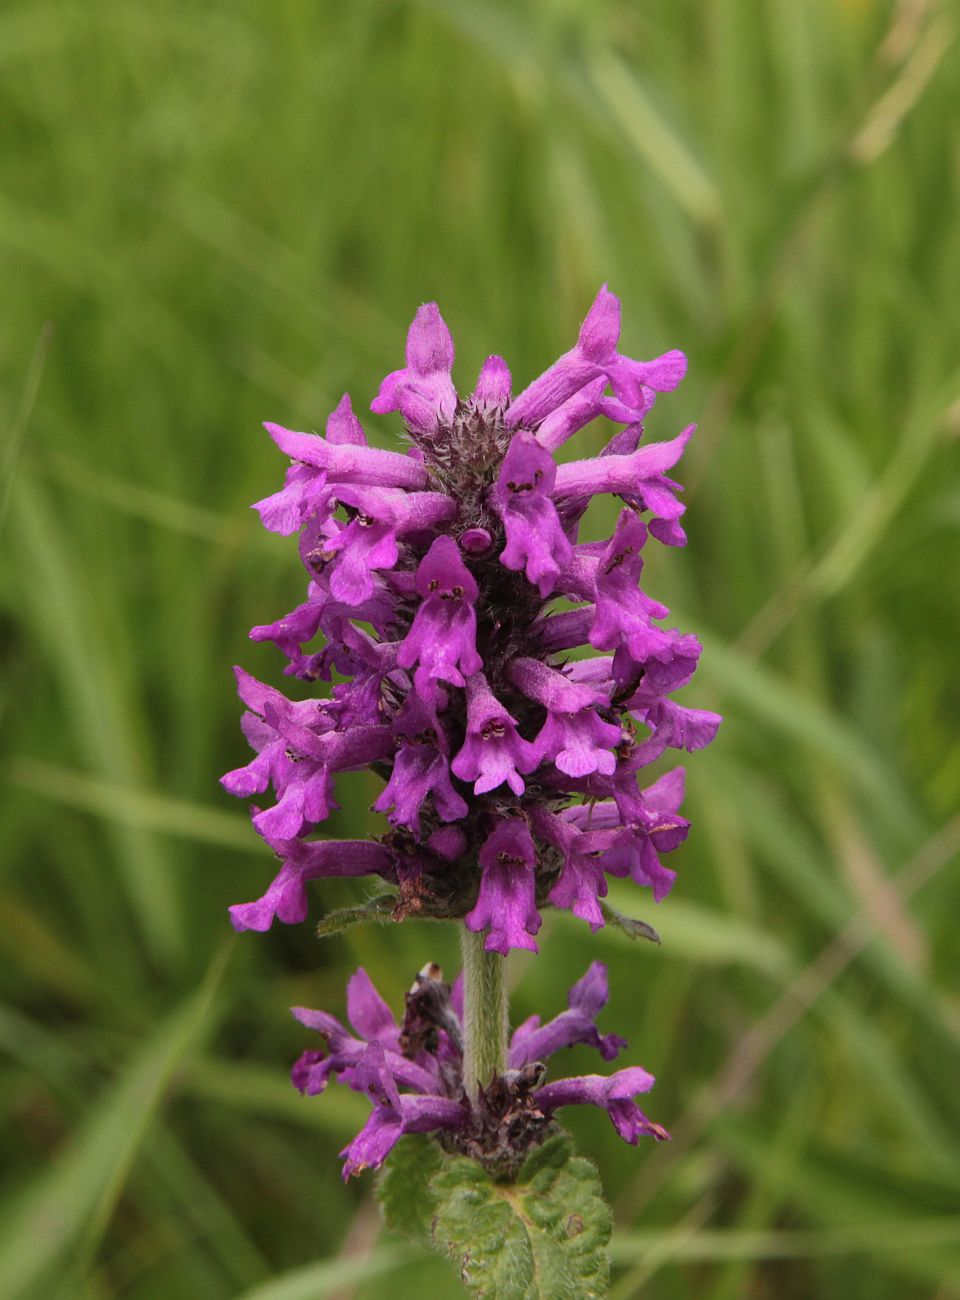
point(485, 1012)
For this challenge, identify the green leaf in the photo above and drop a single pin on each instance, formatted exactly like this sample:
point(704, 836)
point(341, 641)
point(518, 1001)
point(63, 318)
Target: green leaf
point(403, 1188)
point(542, 1237)
point(329, 1276)
point(378, 909)
point(70, 1205)
point(631, 927)
point(136, 807)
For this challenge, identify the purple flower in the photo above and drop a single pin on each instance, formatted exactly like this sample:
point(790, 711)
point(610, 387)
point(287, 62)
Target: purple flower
point(506, 905)
point(574, 737)
point(493, 752)
point(442, 639)
point(613, 1093)
point(423, 391)
point(635, 383)
point(536, 544)
point(624, 617)
point(286, 898)
point(394, 1113)
point(370, 540)
point(305, 491)
point(639, 476)
point(674, 727)
point(582, 881)
point(533, 1041)
point(350, 462)
point(509, 761)
point(493, 385)
point(374, 1024)
point(646, 823)
point(420, 769)
point(298, 751)
point(412, 1073)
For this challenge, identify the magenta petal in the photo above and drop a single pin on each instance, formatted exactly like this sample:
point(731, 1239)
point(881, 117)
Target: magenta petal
point(600, 330)
point(442, 639)
point(614, 1093)
point(429, 342)
point(639, 474)
point(576, 368)
point(367, 1011)
point(423, 391)
point(493, 383)
point(373, 1143)
point(571, 417)
point(535, 1042)
point(343, 426)
point(349, 463)
point(286, 898)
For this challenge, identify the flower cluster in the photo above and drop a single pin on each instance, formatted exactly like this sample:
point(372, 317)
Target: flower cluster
point(412, 1073)
point(507, 681)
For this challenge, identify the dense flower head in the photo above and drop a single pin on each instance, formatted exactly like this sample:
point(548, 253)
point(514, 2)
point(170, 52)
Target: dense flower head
point(412, 1072)
point(505, 679)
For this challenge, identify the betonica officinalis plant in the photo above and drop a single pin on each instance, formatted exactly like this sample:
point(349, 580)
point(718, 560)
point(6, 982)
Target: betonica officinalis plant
point(508, 683)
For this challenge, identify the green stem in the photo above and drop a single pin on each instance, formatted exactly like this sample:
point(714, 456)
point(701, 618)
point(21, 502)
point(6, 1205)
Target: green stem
point(485, 1012)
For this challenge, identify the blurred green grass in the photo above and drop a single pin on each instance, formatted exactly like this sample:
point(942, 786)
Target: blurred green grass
point(215, 215)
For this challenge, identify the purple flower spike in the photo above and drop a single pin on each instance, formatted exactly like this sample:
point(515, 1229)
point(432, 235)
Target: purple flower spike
point(507, 732)
point(506, 906)
point(412, 1074)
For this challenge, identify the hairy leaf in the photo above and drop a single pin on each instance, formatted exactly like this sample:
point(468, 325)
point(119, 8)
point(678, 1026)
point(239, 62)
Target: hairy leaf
point(403, 1188)
point(542, 1237)
point(377, 909)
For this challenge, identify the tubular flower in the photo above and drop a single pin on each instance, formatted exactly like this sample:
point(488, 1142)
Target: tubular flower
point(412, 1072)
point(510, 762)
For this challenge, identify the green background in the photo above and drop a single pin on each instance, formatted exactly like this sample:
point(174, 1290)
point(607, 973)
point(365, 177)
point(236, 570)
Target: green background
point(215, 214)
